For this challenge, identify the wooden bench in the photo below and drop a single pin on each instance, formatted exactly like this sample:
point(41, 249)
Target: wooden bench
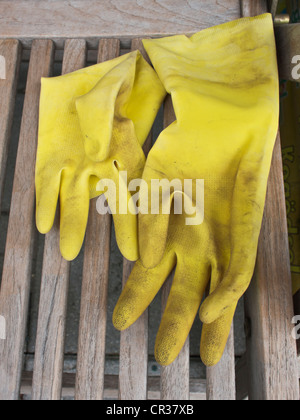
point(42, 31)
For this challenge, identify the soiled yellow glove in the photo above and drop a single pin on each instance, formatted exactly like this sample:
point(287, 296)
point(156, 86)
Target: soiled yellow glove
point(93, 123)
point(224, 87)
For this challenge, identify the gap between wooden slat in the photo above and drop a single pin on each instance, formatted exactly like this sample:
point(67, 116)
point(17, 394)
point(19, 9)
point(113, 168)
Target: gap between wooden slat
point(15, 287)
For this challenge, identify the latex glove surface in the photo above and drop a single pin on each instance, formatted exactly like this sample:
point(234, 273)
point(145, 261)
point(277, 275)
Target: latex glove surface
point(93, 124)
point(224, 87)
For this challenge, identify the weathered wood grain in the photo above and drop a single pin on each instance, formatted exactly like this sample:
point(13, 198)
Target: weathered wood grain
point(272, 356)
point(272, 6)
point(197, 387)
point(49, 349)
point(10, 51)
point(93, 312)
point(125, 19)
point(271, 348)
point(50, 339)
point(133, 373)
point(175, 383)
point(15, 286)
point(253, 7)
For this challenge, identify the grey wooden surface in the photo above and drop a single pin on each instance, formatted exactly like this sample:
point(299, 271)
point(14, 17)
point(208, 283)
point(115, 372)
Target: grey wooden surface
point(125, 19)
point(55, 19)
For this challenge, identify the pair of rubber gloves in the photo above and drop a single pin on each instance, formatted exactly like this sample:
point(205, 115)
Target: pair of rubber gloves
point(224, 87)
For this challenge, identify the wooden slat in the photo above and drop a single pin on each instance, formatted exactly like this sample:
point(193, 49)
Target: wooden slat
point(49, 350)
point(273, 5)
point(272, 356)
point(175, 383)
point(134, 341)
point(221, 378)
point(125, 19)
point(197, 387)
point(16, 277)
point(253, 7)
point(93, 312)
point(133, 354)
point(49, 347)
point(271, 348)
point(11, 52)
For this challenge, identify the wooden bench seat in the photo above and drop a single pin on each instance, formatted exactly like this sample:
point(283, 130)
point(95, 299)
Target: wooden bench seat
point(40, 31)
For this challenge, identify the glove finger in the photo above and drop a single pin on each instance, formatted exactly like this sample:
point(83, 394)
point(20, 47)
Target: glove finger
point(126, 229)
point(228, 292)
point(74, 210)
point(246, 213)
point(154, 218)
point(140, 290)
point(125, 220)
point(214, 338)
point(47, 192)
point(182, 306)
point(153, 233)
point(146, 85)
point(123, 210)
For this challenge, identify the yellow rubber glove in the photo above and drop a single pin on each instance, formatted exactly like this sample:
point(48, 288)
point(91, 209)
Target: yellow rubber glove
point(93, 123)
point(224, 87)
